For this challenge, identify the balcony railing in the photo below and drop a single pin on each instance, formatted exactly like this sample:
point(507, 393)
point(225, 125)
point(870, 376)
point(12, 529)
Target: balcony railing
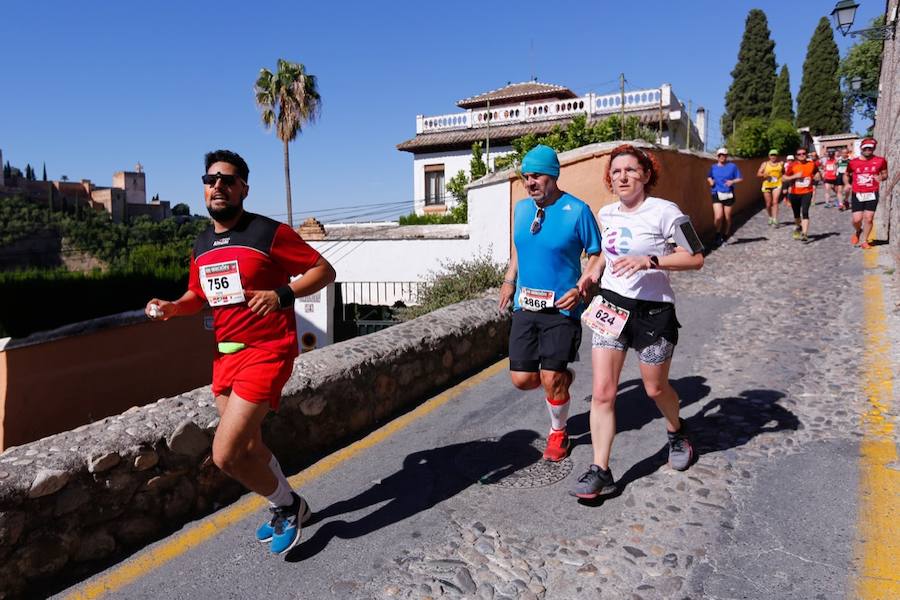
point(529, 112)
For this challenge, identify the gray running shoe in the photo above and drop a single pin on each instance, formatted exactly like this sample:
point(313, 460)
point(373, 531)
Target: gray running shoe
point(594, 483)
point(681, 452)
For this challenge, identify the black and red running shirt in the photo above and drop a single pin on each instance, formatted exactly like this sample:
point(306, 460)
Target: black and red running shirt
point(867, 173)
point(268, 253)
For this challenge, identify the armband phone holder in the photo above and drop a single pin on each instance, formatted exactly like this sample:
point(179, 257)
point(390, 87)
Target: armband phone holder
point(686, 236)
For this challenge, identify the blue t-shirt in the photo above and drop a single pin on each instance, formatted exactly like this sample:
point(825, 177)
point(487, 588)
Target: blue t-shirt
point(720, 173)
point(551, 258)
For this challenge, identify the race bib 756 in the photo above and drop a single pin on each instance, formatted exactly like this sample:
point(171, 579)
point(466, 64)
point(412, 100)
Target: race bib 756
point(221, 283)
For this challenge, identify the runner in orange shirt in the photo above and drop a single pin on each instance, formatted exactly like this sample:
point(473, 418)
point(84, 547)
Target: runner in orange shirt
point(802, 173)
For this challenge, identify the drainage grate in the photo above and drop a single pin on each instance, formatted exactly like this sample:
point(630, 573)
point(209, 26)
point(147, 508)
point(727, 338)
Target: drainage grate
point(512, 462)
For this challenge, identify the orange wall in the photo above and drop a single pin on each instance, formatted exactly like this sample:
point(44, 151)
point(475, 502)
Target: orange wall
point(682, 180)
point(62, 384)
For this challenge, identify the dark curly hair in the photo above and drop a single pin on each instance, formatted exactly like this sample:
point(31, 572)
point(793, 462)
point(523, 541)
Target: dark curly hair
point(646, 160)
point(232, 158)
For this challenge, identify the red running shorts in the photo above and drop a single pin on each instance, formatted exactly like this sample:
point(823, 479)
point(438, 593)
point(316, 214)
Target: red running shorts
point(255, 375)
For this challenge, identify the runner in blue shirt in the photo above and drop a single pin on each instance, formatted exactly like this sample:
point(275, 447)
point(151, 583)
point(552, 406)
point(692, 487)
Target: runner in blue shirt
point(551, 229)
point(722, 177)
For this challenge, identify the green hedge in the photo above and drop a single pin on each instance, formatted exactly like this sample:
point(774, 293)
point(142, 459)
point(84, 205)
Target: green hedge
point(37, 300)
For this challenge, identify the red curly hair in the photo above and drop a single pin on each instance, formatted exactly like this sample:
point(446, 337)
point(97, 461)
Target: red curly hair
point(646, 160)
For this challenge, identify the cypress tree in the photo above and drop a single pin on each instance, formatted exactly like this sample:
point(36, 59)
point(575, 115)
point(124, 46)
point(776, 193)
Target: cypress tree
point(782, 103)
point(45, 172)
point(820, 104)
point(753, 77)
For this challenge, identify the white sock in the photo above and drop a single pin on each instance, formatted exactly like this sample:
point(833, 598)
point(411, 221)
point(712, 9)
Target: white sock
point(559, 413)
point(282, 494)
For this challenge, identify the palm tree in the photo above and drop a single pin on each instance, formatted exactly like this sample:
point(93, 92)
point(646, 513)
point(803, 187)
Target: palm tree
point(288, 100)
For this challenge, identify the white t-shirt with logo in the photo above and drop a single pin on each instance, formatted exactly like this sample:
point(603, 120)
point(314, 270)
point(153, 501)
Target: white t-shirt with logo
point(643, 232)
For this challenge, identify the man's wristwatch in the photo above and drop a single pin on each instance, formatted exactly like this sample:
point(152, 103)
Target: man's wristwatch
point(654, 262)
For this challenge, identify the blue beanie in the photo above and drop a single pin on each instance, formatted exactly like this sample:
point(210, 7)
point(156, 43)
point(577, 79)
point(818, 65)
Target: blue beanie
point(541, 159)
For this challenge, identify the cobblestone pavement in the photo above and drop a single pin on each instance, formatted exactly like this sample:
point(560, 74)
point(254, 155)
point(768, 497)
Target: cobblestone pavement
point(785, 374)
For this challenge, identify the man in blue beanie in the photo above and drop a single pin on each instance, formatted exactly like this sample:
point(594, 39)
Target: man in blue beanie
point(550, 231)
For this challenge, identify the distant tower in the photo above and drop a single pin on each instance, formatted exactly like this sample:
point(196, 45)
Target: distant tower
point(134, 183)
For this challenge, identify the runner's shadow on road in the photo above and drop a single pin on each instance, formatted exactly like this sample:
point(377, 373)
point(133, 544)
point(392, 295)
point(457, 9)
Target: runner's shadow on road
point(427, 478)
point(722, 424)
point(815, 237)
point(747, 240)
point(634, 408)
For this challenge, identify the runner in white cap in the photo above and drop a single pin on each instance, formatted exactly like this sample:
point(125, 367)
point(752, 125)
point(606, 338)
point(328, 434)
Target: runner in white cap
point(867, 173)
point(721, 179)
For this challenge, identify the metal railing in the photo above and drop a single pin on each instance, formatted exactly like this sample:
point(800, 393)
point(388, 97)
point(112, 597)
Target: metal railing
point(590, 104)
point(381, 293)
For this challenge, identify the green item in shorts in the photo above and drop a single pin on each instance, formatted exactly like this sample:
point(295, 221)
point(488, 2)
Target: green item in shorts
point(231, 347)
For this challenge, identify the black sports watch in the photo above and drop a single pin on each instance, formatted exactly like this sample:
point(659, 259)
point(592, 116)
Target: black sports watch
point(654, 261)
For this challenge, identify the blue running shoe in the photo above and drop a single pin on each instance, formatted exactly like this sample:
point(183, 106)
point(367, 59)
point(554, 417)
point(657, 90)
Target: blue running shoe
point(266, 531)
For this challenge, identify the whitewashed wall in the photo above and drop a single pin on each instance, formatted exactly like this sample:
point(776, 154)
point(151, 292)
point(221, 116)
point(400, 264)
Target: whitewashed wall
point(489, 207)
point(401, 261)
point(453, 161)
point(389, 261)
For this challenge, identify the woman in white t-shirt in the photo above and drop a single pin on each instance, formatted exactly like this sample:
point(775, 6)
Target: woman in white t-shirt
point(637, 308)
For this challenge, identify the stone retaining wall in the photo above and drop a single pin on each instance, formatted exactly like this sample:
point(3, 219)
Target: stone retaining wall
point(73, 501)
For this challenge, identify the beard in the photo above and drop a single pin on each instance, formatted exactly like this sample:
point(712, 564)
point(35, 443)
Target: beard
point(227, 212)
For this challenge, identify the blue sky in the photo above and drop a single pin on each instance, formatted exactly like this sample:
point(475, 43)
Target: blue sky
point(92, 88)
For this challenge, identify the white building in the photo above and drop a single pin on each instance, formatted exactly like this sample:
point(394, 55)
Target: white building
point(443, 143)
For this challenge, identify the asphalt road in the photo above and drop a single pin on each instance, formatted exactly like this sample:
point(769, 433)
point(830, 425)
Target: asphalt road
point(786, 476)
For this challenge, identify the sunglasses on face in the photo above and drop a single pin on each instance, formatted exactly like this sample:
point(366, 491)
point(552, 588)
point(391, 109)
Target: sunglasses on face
point(227, 180)
point(538, 220)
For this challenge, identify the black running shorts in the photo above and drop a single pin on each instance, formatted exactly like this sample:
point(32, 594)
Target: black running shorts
point(545, 340)
point(800, 204)
point(726, 202)
point(648, 322)
point(857, 206)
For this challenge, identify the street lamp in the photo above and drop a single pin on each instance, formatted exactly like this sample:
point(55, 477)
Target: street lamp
point(856, 88)
point(844, 14)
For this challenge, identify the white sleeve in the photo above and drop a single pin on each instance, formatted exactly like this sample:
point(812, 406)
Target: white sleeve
point(669, 214)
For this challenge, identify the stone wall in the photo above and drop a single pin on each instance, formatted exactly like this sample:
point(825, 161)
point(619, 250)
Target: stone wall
point(71, 501)
point(887, 132)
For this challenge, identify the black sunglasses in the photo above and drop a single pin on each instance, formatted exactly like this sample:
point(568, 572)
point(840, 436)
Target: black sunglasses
point(538, 220)
point(228, 180)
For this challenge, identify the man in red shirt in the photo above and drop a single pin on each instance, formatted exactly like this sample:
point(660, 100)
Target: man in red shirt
point(242, 266)
point(867, 173)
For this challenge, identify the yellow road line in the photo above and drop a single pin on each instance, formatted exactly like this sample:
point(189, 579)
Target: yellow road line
point(878, 528)
point(182, 542)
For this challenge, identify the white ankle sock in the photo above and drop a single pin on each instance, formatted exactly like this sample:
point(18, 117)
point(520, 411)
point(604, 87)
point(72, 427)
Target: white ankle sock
point(559, 413)
point(282, 494)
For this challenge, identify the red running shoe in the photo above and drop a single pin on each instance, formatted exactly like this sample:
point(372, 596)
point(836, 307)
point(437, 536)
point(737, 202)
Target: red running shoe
point(854, 239)
point(557, 446)
point(865, 245)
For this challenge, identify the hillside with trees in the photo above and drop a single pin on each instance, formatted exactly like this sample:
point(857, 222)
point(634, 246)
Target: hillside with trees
point(133, 261)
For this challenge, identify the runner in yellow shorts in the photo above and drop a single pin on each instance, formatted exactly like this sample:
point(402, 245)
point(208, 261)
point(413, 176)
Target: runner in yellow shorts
point(771, 172)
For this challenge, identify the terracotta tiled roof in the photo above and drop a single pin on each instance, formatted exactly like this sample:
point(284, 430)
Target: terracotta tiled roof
point(518, 92)
point(501, 135)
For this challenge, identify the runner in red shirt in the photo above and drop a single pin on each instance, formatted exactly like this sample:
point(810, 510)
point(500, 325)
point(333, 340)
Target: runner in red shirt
point(867, 174)
point(829, 170)
point(242, 267)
